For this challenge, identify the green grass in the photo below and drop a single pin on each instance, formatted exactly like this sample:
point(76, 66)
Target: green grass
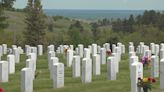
point(43, 83)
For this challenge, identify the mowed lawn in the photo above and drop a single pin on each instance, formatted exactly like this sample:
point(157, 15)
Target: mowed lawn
point(43, 83)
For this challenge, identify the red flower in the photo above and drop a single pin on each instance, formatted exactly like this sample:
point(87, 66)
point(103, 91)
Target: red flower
point(1, 90)
point(108, 52)
point(149, 79)
point(153, 80)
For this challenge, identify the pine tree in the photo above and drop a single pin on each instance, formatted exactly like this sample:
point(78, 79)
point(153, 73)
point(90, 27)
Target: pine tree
point(3, 23)
point(35, 33)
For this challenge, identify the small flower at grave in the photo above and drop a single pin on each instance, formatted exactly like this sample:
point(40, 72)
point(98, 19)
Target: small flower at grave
point(149, 79)
point(153, 80)
point(145, 79)
point(146, 83)
point(146, 61)
point(1, 90)
point(139, 78)
point(65, 50)
point(109, 53)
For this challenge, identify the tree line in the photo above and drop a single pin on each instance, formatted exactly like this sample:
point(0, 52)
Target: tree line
point(101, 31)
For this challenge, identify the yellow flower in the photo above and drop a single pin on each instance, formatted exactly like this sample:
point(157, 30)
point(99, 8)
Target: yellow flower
point(145, 79)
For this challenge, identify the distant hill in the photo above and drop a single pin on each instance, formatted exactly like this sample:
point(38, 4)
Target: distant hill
point(15, 20)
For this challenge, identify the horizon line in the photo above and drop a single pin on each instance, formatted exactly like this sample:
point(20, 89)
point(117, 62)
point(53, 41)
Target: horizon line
point(106, 9)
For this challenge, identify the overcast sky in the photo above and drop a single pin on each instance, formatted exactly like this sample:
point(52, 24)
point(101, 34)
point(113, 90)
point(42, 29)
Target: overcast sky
point(98, 4)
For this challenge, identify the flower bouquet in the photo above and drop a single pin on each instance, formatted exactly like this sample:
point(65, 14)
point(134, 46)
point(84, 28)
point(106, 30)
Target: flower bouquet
point(146, 61)
point(146, 83)
point(109, 53)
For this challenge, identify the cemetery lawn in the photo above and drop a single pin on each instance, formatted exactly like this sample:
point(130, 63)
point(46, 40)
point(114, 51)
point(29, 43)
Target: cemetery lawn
point(43, 83)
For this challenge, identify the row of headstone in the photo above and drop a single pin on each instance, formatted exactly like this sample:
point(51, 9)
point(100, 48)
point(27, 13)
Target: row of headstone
point(55, 67)
point(37, 50)
point(93, 54)
point(28, 73)
point(7, 67)
point(136, 68)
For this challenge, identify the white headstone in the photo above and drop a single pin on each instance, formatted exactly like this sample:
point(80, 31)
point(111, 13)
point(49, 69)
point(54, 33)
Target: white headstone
point(16, 54)
point(61, 49)
point(120, 47)
point(34, 50)
point(53, 60)
point(107, 46)
point(132, 60)
point(11, 62)
point(116, 61)
point(71, 47)
point(27, 49)
point(156, 49)
point(87, 53)
point(14, 46)
point(118, 52)
point(162, 46)
point(131, 49)
point(80, 50)
point(90, 48)
point(58, 50)
point(155, 66)
point(33, 56)
point(86, 70)
point(96, 64)
point(111, 72)
point(26, 80)
point(103, 56)
point(76, 66)
point(1, 52)
point(50, 54)
point(162, 74)
point(94, 49)
point(58, 75)
point(161, 54)
point(40, 50)
point(152, 48)
point(131, 44)
point(4, 71)
point(147, 53)
point(141, 47)
point(4, 46)
point(98, 49)
point(20, 50)
point(50, 48)
point(69, 58)
point(113, 48)
point(136, 72)
point(131, 54)
point(30, 64)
